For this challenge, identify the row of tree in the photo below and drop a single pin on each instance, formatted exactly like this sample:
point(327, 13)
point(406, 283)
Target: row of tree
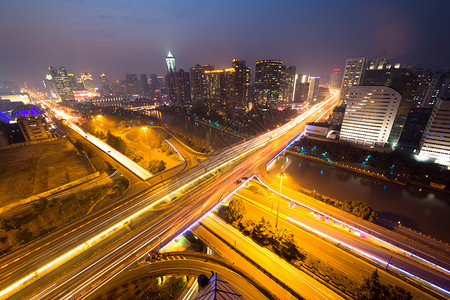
point(357, 208)
point(281, 240)
point(390, 164)
point(373, 289)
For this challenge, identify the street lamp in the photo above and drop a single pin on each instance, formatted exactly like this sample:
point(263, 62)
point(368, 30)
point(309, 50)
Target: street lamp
point(281, 174)
point(145, 133)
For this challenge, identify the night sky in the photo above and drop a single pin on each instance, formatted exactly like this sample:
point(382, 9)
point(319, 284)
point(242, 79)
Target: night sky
point(119, 37)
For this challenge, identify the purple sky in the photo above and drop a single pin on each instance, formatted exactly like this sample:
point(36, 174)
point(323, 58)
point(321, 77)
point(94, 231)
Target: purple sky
point(119, 37)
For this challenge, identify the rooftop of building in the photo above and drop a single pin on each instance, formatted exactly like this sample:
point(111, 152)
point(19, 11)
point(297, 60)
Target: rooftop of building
point(25, 111)
point(217, 288)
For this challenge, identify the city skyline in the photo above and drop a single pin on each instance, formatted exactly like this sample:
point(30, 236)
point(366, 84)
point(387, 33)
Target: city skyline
point(117, 39)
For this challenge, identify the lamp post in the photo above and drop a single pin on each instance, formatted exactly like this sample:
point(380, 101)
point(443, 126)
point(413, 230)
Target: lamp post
point(281, 174)
point(145, 133)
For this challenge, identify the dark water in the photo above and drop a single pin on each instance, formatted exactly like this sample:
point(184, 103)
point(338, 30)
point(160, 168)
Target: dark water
point(215, 138)
point(423, 209)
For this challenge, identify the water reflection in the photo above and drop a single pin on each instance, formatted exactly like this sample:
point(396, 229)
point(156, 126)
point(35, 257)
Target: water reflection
point(415, 207)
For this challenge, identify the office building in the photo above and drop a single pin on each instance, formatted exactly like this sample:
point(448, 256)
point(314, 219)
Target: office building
point(31, 122)
point(215, 89)
point(439, 88)
point(239, 85)
point(197, 74)
point(50, 86)
point(178, 87)
point(413, 130)
point(132, 84)
point(404, 82)
point(76, 82)
point(435, 143)
point(62, 82)
point(353, 71)
point(313, 91)
point(268, 80)
point(88, 82)
point(337, 115)
point(369, 115)
point(423, 85)
point(19, 97)
point(154, 85)
point(227, 90)
point(302, 88)
point(144, 86)
point(335, 79)
point(105, 87)
point(288, 84)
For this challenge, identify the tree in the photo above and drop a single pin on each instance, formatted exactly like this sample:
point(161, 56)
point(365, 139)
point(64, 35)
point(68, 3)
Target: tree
point(285, 245)
point(116, 142)
point(248, 226)
point(156, 166)
point(263, 231)
point(138, 156)
point(372, 289)
point(234, 212)
point(398, 293)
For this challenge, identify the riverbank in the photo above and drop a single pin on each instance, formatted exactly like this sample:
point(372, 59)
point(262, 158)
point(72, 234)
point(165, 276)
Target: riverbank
point(367, 173)
point(346, 167)
point(421, 209)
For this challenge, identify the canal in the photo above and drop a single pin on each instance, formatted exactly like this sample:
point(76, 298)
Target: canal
point(426, 210)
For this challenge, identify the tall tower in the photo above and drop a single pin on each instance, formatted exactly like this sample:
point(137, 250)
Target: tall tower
point(268, 80)
point(241, 84)
point(88, 82)
point(353, 72)
point(436, 138)
point(170, 61)
point(105, 88)
point(63, 84)
point(369, 115)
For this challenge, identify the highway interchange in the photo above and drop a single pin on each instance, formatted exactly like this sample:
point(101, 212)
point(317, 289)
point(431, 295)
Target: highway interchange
point(86, 254)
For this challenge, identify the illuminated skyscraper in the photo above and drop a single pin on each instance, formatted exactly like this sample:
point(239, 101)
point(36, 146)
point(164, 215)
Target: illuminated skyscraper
point(170, 61)
point(215, 89)
point(179, 87)
point(239, 85)
point(144, 86)
point(335, 78)
point(288, 84)
point(439, 88)
point(369, 115)
point(401, 80)
point(198, 82)
point(268, 79)
point(435, 142)
point(132, 84)
point(50, 85)
point(62, 82)
point(88, 82)
point(105, 87)
point(354, 68)
point(313, 91)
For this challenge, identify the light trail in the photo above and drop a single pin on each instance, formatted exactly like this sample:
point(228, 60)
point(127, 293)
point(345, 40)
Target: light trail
point(368, 255)
point(191, 291)
point(122, 159)
point(357, 229)
point(249, 146)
